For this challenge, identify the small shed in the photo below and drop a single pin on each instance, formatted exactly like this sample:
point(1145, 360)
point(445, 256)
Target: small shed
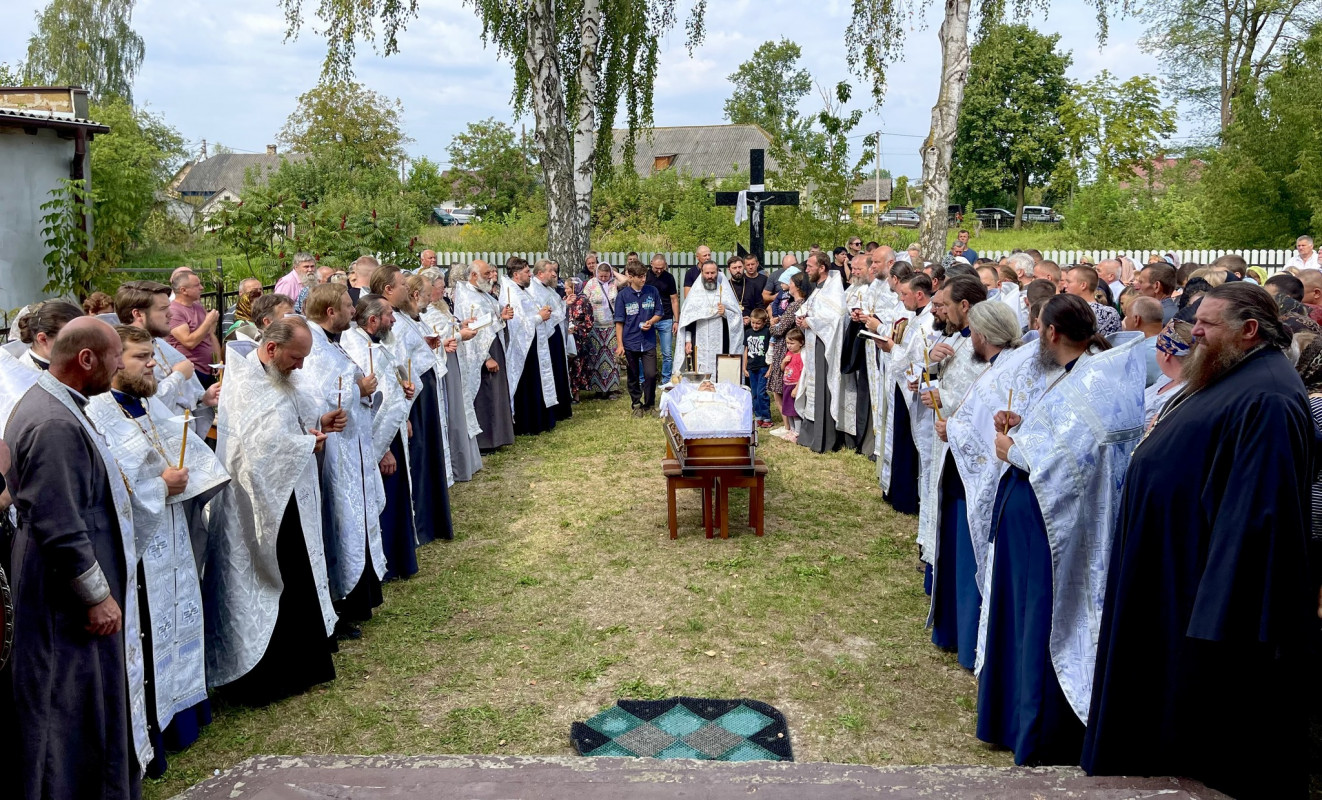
point(44, 136)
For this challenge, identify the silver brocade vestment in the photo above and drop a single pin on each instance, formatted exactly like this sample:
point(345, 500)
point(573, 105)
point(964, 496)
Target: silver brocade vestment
point(711, 329)
point(824, 314)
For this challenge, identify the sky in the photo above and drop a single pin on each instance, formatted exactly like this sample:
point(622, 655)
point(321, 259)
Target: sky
point(223, 72)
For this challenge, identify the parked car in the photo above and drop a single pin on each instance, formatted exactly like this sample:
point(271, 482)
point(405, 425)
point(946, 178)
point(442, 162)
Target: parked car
point(442, 217)
point(902, 218)
point(1041, 214)
point(464, 215)
point(994, 217)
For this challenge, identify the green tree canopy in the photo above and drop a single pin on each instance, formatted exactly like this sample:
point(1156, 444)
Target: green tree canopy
point(349, 122)
point(489, 170)
point(1009, 131)
point(767, 91)
point(1111, 128)
point(87, 43)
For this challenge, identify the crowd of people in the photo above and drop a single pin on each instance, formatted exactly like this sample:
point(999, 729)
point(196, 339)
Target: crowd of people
point(1110, 469)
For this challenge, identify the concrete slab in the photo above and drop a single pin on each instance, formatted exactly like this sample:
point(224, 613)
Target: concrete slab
point(556, 778)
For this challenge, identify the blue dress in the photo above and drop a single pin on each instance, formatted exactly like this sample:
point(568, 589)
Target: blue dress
point(958, 603)
point(1020, 703)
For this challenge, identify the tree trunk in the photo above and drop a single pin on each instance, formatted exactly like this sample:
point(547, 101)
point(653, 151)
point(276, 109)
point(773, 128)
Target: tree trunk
point(1021, 187)
point(585, 127)
point(566, 236)
point(939, 147)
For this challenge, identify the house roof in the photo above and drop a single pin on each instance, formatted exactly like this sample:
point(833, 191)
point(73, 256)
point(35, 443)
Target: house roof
point(14, 118)
point(700, 150)
point(229, 169)
point(867, 191)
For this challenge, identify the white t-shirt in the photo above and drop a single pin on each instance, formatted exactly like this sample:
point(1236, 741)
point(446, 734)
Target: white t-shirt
point(1299, 263)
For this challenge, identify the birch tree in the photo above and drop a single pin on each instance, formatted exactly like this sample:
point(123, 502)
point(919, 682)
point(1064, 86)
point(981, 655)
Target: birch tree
point(575, 62)
point(876, 38)
point(87, 43)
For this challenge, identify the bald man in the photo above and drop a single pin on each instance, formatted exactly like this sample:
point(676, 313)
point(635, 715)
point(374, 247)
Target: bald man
point(1312, 280)
point(360, 277)
point(1145, 315)
point(78, 661)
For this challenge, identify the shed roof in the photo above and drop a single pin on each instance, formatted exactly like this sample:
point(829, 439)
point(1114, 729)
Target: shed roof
point(229, 170)
point(700, 150)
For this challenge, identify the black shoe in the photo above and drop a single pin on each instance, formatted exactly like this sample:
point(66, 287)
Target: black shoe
point(345, 631)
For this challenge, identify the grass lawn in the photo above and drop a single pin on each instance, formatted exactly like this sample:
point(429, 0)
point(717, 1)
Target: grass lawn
point(564, 592)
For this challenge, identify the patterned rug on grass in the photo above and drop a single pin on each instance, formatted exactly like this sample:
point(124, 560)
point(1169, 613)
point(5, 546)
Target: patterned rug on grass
point(686, 727)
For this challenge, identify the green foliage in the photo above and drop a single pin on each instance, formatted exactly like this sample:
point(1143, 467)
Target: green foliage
point(1112, 128)
point(767, 91)
point(424, 180)
point(128, 166)
point(348, 122)
point(490, 170)
point(1266, 181)
point(1009, 132)
point(64, 233)
point(86, 43)
point(827, 168)
point(11, 75)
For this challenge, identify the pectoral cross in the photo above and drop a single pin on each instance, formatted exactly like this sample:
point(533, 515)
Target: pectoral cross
point(757, 196)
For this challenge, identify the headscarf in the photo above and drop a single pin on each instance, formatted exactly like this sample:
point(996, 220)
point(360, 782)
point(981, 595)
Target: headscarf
point(243, 308)
point(1176, 338)
point(1310, 365)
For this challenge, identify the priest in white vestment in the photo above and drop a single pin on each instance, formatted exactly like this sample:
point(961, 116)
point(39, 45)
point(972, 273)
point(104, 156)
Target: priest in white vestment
point(906, 348)
point(826, 402)
point(711, 323)
point(461, 417)
point(269, 613)
point(531, 376)
point(147, 441)
point(483, 358)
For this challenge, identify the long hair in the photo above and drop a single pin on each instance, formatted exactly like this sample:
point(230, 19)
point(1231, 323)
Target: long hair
point(1074, 319)
point(1244, 302)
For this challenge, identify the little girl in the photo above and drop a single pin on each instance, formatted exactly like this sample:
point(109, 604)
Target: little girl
point(793, 368)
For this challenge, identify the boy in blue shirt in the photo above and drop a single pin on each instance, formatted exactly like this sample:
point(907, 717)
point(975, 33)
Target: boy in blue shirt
point(637, 310)
point(757, 342)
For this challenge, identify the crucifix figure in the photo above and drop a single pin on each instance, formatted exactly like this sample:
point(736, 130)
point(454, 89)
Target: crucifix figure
point(756, 197)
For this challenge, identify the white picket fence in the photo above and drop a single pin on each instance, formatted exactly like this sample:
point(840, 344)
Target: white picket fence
point(1270, 259)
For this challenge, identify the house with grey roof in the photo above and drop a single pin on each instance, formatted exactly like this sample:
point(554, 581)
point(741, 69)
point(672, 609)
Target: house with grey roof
point(203, 185)
point(871, 197)
point(700, 151)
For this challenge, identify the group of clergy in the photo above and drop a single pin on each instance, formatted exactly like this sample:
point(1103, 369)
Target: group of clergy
point(1133, 597)
point(165, 540)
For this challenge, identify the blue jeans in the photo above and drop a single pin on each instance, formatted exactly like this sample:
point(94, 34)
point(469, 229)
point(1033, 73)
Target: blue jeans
point(665, 340)
point(757, 384)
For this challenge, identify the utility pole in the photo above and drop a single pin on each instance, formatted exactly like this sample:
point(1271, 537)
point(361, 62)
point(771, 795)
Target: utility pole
point(876, 209)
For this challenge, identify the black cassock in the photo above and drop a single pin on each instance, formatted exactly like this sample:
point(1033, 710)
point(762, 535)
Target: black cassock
point(431, 496)
point(854, 354)
point(1209, 603)
point(70, 687)
point(531, 415)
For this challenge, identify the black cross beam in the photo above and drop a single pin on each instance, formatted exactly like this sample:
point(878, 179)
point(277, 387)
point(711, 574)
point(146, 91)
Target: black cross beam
point(757, 199)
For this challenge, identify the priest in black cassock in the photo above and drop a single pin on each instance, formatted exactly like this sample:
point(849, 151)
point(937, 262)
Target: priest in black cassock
point(531, 378)
point(78, 660)
point(1209, 606)
point(854, 353)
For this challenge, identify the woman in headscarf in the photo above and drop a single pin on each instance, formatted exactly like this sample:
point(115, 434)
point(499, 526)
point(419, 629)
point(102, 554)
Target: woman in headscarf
point(579, 311)
point(783, 322)
point(1310, 370)
point(1173, 345)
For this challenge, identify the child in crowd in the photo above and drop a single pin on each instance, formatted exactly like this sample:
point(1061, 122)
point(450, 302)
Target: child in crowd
point(793, 366)
point(757, 341)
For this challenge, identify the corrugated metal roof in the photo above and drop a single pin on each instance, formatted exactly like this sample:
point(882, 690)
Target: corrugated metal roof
point(227, 171)
point(14, 115)
point(867, 191)
point(703, 151)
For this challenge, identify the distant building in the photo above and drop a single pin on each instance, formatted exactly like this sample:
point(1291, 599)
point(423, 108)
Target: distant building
point(203, 185)
point(868, 202)
point(700, 151)
point(1163, 171)
point(48, 133)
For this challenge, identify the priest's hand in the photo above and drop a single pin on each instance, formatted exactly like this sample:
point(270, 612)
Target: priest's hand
point(688, 348)
point(941, 429)
point(1005, 420)
point(800, 322)
point(184, 368)
point(1003, 445)
point(720, 309)
point(492, 366)
point(176, 480)
point(433, 341)
point(409, 390)
point(388, 465)
point(321, 440)
point(367, 386)
point(746, 320)
point(930, 399)
point(940, 352)
point(211, 396)
point(507, 313)
point(334, 421)
point(104, 618)
point(913, 386)
point(545, 312)
point(886, 345)
point(451, 345)
point(871, 323)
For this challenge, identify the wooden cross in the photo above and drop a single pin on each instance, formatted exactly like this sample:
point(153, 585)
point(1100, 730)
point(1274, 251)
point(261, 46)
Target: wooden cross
point(757, 197)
